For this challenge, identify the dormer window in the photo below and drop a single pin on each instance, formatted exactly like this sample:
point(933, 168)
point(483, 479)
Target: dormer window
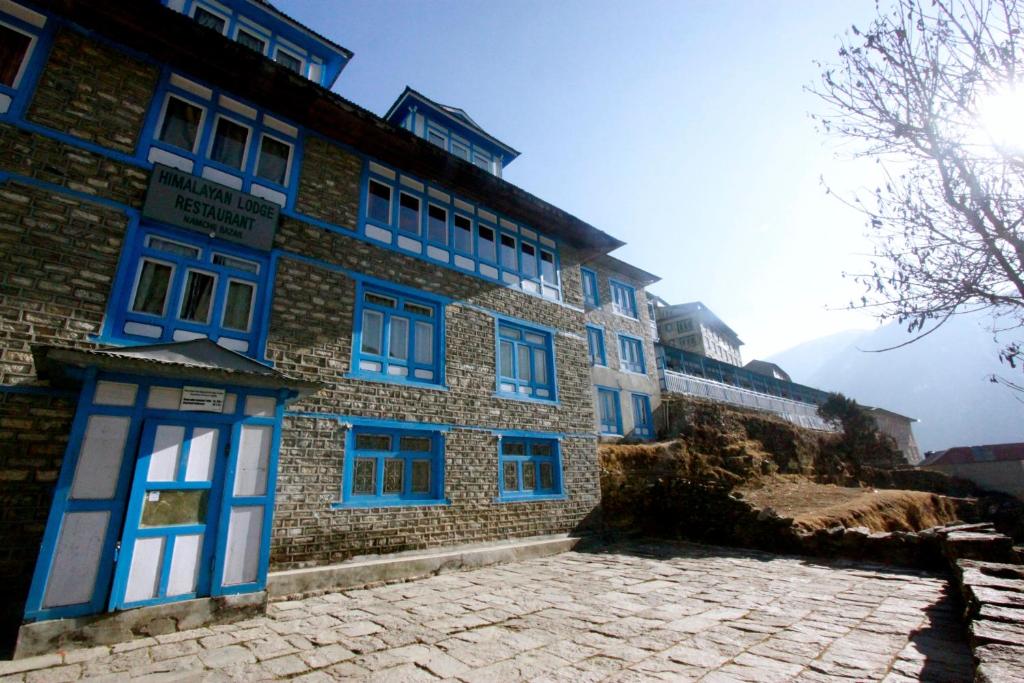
point(260, 27)
point(208, 19)
point(251, 41)
point(288, 61)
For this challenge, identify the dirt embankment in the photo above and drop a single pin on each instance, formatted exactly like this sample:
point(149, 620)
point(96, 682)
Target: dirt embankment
point(733, 476)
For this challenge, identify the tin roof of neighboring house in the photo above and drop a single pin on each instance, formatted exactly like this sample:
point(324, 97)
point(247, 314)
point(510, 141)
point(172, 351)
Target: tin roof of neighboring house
point(963, 455)
point(638, 275)
point(196, 360)
point(673, 311)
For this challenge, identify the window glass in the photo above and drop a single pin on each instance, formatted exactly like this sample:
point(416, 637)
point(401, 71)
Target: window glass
point(590, 296)
point(197, 297)
point(373, 442)
point(421, 476)
point(273, 160)
point(408, 214)
point(396, 465)
point(408, 328)
point(508, 253)
point(151, 291)
point(416, 444)
point(482, 161)
point(13, 49)
point(393, 471)
point(595, 343)
point(437, 138)
point(363, 480)
point(236, 263)
point(486, 244)
point(424, 343)
point(547, 266)
point(524, 362)
point(528, 467)
point(238, 305)
point(398, 346)
point(529, 260)
point(250, 40)
point(171, 247)
point(463, 234)
point(229, 142)
point(437, 224)
point(209, 20)
point(372, 333)
point(288, 61)
point(379, 205)
point(181, 123)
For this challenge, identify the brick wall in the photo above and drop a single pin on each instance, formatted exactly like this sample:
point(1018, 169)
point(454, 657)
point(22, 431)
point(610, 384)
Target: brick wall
point(33, 434)
point(329, 183)
point(93, 92)
point(61, 255)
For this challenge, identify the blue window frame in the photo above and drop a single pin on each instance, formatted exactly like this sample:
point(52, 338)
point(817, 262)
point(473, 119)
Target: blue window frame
point(21, 55)
point(398, 336)
point(528, 468)
point(591, 297)
point(631, 354)
point(210, 133)
point(623, 299)
point(525, 362)
point(643, 423)
point(393, 467)
point(414, 218)
point(176, 286)
point(595, 344)
point(609, 411)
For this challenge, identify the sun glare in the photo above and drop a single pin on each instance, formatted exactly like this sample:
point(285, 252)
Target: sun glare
point(1001, 116)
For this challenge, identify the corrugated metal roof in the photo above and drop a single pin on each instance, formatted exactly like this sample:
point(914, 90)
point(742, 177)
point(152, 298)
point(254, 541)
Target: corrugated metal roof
point(963, 455)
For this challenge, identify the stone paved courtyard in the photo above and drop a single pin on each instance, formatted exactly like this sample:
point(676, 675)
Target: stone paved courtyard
point(626, 613)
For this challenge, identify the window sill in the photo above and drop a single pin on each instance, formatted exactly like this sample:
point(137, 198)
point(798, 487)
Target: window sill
point(378, 503)
point(531, 498)
point(611, 435)
point(627, 316)
point(526, 399)
point(392, 379)
point(633, 372)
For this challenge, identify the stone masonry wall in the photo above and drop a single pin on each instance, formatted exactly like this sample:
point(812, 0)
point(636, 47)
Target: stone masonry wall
point(329, 185)
point(307, 532)
point(93, 92)
point(60, 255)
point(33, 434)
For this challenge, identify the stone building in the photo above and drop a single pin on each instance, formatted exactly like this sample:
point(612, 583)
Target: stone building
point(695, 328)
point(620, 340)
point(247, 326)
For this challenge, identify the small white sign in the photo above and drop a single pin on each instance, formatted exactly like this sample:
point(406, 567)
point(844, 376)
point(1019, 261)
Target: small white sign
point(153, 496)
point(202, 399)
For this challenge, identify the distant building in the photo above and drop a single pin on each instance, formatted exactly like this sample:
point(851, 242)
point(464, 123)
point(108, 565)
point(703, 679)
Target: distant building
point(695, 328)
point(998, 467)
point(763, 367)
point(900, 428)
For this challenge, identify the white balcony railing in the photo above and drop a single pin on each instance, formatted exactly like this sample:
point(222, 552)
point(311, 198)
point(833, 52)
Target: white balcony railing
point(799, 413)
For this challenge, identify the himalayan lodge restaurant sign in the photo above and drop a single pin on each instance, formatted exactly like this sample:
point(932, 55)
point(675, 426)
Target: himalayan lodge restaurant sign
point(194, 203)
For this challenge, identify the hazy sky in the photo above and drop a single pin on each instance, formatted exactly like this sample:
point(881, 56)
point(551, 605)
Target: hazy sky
point(680, 127)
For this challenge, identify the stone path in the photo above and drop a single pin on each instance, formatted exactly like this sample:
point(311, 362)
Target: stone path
point(628, 613)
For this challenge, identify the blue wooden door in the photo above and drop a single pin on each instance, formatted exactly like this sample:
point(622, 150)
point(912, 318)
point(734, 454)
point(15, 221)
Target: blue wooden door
point(167, 547)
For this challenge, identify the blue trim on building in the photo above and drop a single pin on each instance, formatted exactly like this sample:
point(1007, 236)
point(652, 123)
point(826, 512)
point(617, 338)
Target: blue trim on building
point(591, 290)
point(638, 346)
point(595, 346)
point(627, 308)
point(516, 379)
point(381, 498)
point(529, 487)
point(643, 420)
point(603, 423)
